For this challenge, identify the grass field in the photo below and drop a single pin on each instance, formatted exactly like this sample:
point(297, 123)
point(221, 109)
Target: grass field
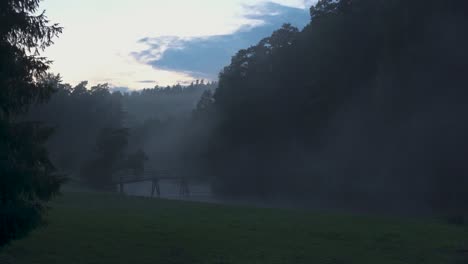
point(107, 228)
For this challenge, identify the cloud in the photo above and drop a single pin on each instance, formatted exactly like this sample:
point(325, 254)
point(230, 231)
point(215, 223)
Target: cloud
point(204, 57)
point(147, 81)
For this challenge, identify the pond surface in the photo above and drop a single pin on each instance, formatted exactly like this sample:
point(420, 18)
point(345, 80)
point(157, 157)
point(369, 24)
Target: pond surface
point(171, 190)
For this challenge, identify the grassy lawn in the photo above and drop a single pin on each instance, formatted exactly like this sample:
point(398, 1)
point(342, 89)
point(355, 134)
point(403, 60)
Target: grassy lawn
point(107, 228)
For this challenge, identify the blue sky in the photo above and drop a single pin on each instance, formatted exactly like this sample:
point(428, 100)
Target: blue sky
point(141, 43)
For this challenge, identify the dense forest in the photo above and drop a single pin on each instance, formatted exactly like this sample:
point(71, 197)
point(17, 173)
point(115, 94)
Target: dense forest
point(356, 108)
point(366, 106)
point(99, 132)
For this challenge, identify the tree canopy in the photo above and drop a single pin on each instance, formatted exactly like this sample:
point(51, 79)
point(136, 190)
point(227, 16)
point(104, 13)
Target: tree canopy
point(365, 101)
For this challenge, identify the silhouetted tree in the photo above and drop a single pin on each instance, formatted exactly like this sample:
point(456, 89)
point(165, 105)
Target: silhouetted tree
point(136, 162)
point(204, 105)
point(27, 177)
point(109, 158)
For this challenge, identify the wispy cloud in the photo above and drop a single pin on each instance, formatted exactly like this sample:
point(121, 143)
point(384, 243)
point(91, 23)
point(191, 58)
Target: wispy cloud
point(147, 81)
point(204, 57)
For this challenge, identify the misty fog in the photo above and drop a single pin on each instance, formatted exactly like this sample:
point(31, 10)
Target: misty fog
point(332, 133)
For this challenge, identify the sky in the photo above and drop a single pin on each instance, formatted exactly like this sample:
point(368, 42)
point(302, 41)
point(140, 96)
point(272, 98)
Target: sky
point(135, 44)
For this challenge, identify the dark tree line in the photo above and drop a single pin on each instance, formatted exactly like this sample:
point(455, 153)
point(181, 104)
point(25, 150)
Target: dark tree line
point(78, 114)
point(100, 133)
point(165, 103)
point(366, 104)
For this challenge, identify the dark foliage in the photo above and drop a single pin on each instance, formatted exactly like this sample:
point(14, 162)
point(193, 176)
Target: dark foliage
point(365, 105)
point(136, 162)
point(164, 103)
point(109, 158)
point(78, 115)
point(157, 122)
point(27, 177)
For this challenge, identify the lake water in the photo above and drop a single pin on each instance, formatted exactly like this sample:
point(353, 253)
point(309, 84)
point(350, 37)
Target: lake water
point(201, 192)
point(171, 190)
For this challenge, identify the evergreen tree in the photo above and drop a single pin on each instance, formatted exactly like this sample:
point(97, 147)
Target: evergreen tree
point(365, 103)
point(27, 177)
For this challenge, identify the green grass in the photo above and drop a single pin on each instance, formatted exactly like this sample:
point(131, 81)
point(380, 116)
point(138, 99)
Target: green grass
point(107, 228)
